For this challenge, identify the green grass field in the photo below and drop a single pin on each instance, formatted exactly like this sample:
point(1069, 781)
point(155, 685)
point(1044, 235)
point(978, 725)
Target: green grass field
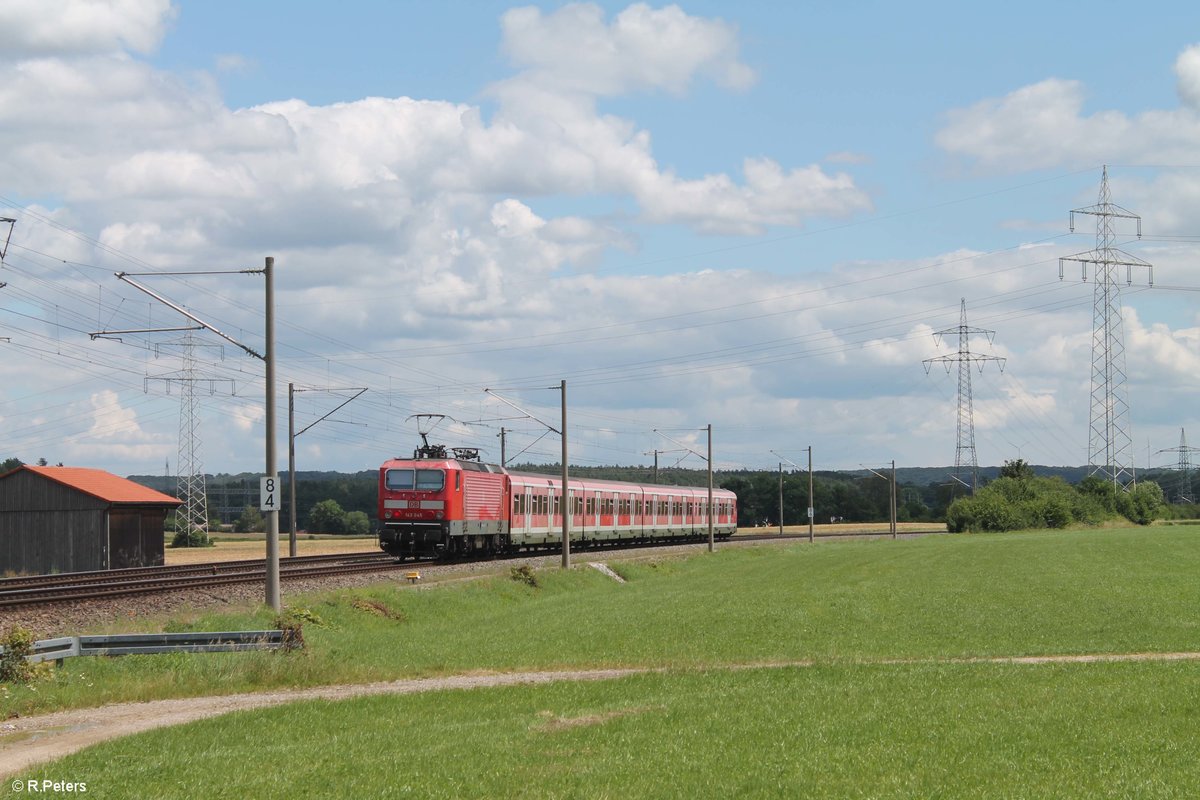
point(882, 712)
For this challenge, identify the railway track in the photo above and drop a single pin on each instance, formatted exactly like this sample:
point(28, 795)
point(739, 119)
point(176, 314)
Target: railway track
point(40, 590)
point(44, 589)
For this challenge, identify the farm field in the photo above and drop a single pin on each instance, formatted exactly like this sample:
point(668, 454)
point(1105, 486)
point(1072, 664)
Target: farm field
point(235, 547)
point(232, 547)
point(860, 668)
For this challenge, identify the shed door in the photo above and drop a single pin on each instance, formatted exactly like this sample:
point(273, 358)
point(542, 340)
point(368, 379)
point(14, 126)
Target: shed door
point(125, 540)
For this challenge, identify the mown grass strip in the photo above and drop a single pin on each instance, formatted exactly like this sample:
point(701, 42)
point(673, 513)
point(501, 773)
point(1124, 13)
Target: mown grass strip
point(916, 730)
point(1120, 591)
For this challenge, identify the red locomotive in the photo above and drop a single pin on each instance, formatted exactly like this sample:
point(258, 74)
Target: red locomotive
point(441, 503)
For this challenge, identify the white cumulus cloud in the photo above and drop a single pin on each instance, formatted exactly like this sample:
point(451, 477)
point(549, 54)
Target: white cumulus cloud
point(56, 27)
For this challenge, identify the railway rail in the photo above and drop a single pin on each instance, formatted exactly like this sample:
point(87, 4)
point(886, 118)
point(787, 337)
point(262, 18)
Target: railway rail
point(39, 590)
point(44, 589)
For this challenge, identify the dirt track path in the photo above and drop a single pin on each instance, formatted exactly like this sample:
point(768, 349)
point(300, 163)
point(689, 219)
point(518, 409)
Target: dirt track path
point(29, 741)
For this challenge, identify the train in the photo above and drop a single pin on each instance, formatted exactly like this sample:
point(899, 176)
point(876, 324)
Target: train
point(447, 503)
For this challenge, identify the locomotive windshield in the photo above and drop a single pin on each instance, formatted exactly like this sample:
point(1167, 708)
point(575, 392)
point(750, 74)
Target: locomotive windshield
point(424, 480)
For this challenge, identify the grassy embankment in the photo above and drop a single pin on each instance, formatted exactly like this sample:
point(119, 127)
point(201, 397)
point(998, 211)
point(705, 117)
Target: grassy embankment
point(883, 711)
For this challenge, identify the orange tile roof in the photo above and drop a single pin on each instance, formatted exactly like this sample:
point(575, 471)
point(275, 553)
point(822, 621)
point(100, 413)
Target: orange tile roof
point(101, 484)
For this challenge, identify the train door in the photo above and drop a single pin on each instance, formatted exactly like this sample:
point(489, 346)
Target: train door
point(569, 511)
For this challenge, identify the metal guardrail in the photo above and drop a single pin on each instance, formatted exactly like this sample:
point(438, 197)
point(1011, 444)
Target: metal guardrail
point(125, 644)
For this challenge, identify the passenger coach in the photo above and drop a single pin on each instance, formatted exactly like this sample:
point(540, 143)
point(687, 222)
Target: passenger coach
point(435, 504)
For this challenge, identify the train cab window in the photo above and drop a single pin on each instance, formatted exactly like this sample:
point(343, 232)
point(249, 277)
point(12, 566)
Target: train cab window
point(431, 480)
point(404, 480)
point(398, 479)
point(425, 480)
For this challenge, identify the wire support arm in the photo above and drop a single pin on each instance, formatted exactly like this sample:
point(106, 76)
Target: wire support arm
point(124, 276)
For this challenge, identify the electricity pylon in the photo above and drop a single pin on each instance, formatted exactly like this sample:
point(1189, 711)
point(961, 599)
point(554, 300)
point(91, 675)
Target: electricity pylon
point(964, 451)
point(190, 483)
point(1183, 494)
point(1110, 443)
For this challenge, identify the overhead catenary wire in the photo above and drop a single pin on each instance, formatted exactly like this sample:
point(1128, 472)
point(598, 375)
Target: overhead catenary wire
point(435, 383)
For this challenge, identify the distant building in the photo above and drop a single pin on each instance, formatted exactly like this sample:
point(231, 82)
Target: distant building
point(72, 519)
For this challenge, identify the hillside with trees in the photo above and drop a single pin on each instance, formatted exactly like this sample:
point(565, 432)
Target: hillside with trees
point(1015, 495)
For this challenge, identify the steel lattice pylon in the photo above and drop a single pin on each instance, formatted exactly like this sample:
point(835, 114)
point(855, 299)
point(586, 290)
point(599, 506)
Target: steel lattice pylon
point(1183, 491)
point(190, 483)
point(1110, 442)
point(192, 513)
point(964, 452)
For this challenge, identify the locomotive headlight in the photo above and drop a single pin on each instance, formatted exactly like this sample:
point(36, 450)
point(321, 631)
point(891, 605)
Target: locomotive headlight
point(387, 514)
point(438, 515)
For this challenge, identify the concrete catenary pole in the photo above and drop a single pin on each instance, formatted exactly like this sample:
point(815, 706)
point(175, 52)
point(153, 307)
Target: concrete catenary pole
point(781, 498)
point(811, 505)
point(566, 512)
point(893, 498)
point(272, 515)
point(292, 469)
point(710, 490)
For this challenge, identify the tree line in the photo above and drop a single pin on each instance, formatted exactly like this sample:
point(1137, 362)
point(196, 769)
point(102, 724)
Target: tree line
point(1021, 496)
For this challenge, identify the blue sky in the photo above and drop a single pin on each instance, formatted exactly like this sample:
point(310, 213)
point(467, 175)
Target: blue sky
point(755, 216)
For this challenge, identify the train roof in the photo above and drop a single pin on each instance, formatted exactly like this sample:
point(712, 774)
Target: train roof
point(593, 482)
point(434, 463)
point(479, 466)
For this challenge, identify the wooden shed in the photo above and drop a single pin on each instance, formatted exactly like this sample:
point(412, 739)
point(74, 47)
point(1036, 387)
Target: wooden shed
point(72, 519)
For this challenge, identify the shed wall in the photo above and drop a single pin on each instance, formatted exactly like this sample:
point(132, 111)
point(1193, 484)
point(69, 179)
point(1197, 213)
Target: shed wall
point(29, 491)
point(38, 542)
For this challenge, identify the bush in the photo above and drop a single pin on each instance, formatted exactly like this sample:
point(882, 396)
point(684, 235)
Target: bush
point(1011, 503)
point(524, 574)
point(1143, 503)
point(960, 516)
point(251, 521)
point(1102, 491)
point(997, 514)
point(327, 516)
point(291, 622)
point(357, 523)
point(196, 538)
point(1052, 511)
point(17, 643)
